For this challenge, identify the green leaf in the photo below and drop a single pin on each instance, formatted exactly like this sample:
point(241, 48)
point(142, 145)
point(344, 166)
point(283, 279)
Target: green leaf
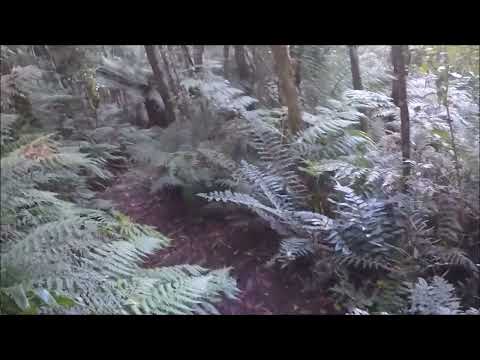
point(423, 68)
point(64, 301)
point(32, 310)
point(362, 162)
point(149, 244)
point(45, 296)
point(443, 134)
point(17, 293)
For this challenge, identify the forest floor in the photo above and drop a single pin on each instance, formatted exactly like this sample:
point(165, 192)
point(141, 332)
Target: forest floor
point(215, 242)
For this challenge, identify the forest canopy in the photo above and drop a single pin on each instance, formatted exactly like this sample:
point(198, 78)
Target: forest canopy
point(240, 179)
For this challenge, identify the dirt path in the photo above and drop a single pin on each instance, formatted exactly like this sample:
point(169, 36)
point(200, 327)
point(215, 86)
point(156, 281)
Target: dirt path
point(214, 243)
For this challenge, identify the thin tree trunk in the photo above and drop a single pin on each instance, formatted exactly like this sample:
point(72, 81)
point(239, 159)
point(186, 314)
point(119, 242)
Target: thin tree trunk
point(188, 58)
point(450, 125)
point(454, 147)
point(395, 81)
point(281, 95)
point(400, 72)
point(198, 56)
point(161, 84)
point(171, 81)
point(180, 91)
point(298, 66)
point(241, 62)
point(226, 55)
point(172, 56)
point(104, 51)
point(356, 78)
point(355, 67)
point(285, 74)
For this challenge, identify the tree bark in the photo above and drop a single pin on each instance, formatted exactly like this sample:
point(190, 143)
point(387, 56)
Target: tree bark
point(241, 62)
point(356, 78)
point(181, 102)
point(166, 63)
point(286, 75)
point(355, 67)
point(395, 81)
point(198, 56)
point(399, 59)
point(226, 55)
point(161, 85)
point(297, 66)
point(188, 58)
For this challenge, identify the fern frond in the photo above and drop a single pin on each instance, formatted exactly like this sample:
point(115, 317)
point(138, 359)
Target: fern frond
point(291, 249)
point(436, 298)
point(271, 186)
point(453, 256)
point(240, 199)
point(180, 290)
point(218, 159)
point(364, 262)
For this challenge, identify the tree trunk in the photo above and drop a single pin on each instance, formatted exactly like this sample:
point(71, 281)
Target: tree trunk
point(241, 62)
point(399, 59)
point(355, 67)
point(188, 58)
point(161, 85)
point(356, 78)
point(198, 56)
point(297, 66)
point(166, 63)
point(181, 93)
point(226, 55)
point(104, 51)
point(286, 75)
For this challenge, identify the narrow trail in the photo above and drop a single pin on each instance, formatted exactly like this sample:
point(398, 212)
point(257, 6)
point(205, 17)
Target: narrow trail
point(215, 242)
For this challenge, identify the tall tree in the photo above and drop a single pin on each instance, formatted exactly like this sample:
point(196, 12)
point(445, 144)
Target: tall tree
point(188, 59)
point(285, 72)
point(198, 56)
point(356, 77)
point(355, 67)
point(166, 63)
point(297, 54)
point(241, 60)
point(226, 55)
point(400, 63)
point(161, 84)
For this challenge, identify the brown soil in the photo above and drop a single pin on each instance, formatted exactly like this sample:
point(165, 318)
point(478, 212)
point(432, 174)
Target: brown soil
point(215, 242)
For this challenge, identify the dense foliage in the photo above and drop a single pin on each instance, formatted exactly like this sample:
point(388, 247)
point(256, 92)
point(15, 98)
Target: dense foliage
point(218, 128)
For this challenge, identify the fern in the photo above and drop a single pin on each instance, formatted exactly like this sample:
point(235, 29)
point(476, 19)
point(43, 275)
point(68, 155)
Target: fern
point(180, 290)
point(329, 135)
point(275, 155)
point(57, 248)
point(220, 93)
point(451, 256)
point(437, 298)
point(291, 249)
point(7, 124)
point(363, 226)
